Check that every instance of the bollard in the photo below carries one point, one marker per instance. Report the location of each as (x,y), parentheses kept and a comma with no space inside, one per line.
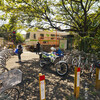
(42,86)
(97,86)
(77,82)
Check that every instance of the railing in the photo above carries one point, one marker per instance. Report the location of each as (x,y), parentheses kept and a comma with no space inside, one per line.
(49,40)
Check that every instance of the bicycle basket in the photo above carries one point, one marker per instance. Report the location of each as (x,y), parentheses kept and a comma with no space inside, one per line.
(10,79)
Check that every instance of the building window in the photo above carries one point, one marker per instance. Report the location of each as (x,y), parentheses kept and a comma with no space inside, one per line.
(58,37)
(52,35)
(27,35)
(45,42)
(34,36)
(42,36)
(52,38)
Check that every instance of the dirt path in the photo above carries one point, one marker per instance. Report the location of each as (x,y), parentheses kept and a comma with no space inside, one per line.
(13,61)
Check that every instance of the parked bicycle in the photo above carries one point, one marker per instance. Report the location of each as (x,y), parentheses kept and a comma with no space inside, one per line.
(4,55)
(8,79)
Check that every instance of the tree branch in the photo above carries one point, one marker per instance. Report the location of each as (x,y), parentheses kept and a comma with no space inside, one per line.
(90,4)
(94,18)
(73,10)
(70,14)
(81,1)
(65,24)
(86,4)
(31,6)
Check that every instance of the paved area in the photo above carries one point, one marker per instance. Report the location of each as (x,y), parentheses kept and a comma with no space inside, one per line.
(13,61)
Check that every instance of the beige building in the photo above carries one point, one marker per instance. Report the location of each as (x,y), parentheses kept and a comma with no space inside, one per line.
(44,37)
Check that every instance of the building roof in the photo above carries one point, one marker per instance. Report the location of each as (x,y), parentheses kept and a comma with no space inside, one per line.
(50,32)
(67,36)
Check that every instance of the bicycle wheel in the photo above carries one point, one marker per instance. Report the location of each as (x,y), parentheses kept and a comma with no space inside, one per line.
(61,68)
(10,94)
(42,63)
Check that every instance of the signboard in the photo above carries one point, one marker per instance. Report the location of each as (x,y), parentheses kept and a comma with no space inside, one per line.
(42,86)
(99,75)
(63,44)
(78,77)
(97,86)
(77,82)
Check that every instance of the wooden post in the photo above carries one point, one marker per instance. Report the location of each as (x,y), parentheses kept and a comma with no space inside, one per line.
(97,86)
(42,86)
(77,82)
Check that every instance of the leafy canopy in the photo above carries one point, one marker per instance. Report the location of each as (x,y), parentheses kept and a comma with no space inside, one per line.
(82,16)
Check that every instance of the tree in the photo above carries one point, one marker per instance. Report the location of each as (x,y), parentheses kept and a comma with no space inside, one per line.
(71,15)
(19,38)
(6,30)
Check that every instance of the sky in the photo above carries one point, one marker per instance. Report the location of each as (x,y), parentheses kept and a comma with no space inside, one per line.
(22,31)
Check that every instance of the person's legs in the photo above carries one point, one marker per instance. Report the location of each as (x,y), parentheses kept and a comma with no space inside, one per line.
(19,56)
(38,51)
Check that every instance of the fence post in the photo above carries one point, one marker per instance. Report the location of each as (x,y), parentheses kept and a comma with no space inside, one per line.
(42,86)
(77,82)
(97,78)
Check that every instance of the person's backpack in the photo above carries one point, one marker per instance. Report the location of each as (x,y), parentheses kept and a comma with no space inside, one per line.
(16,51)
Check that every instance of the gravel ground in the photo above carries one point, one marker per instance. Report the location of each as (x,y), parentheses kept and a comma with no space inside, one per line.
(57,87)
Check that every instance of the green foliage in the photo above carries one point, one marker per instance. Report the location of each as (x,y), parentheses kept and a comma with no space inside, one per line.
(19,38)
(74,15)
(4,31)
(80,16)
(88,44)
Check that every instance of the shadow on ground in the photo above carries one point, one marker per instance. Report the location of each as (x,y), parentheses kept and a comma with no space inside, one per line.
(57,87)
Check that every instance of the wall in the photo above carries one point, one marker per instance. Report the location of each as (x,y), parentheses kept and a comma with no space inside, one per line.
(47,38)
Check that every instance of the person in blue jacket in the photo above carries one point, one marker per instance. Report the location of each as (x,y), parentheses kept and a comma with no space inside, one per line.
(59,52)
